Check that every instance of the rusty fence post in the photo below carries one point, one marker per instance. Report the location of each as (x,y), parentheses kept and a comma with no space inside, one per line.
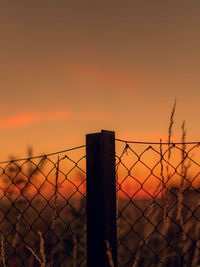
(101,199)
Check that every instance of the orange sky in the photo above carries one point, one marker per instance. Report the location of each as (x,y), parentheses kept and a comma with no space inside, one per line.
(71,68)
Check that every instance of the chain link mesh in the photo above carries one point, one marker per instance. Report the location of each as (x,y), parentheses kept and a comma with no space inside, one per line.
(158,204)
(43,207)
(43,210)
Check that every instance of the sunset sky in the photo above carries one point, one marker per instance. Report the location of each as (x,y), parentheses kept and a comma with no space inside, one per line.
(68,68)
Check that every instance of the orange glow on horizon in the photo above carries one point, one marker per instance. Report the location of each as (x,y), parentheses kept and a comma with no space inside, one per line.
(24,119)
(138,172)
(18,120)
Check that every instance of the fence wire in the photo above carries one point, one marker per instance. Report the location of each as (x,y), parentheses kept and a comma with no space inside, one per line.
(43,210)
(158,192)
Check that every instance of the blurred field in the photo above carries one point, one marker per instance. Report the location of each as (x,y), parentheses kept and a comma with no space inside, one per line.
(141,237)
(64,232)
(146,240)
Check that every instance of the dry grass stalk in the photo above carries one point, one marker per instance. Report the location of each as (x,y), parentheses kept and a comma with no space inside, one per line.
(161,169)
(42,251)
(15,239)
(109,254)
(171,123)
(166,198)
(3,251)
(55,195)
(55,213)
(151,205)
(137,257)
(163,198)
(170,128)
(183,242)
(183,176)
(117,204)
(34,254)
(183,167)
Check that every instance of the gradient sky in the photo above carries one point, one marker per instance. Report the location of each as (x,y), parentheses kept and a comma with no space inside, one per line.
(69,68)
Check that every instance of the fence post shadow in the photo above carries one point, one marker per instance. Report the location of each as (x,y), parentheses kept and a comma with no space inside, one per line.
(101,199)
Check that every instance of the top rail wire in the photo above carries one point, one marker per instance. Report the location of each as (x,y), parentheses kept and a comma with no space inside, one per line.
(158,143)
(43,155)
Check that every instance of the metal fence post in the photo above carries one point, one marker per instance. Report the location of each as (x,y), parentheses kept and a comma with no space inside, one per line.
(101,199)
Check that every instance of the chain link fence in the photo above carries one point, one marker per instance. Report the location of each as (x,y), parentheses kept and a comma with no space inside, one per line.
(43,210)
(43,205)
(158,204)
